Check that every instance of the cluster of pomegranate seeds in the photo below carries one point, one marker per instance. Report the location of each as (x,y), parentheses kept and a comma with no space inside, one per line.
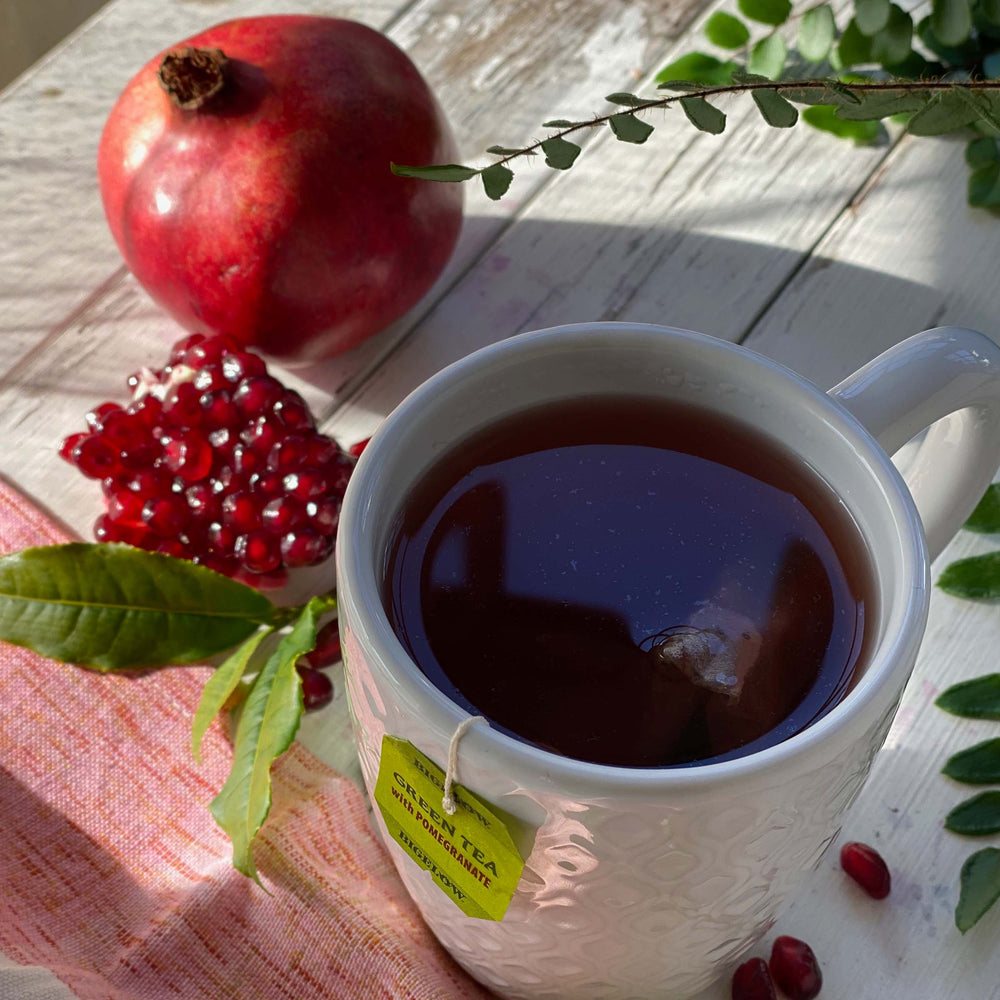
(214,460)
(317,688)
(865,865)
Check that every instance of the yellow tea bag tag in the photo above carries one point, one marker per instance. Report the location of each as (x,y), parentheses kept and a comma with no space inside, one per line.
(471,854)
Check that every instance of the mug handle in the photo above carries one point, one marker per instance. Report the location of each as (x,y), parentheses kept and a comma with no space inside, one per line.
(947,379)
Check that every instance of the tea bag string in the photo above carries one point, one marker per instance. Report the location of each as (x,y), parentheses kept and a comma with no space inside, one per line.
(447,802)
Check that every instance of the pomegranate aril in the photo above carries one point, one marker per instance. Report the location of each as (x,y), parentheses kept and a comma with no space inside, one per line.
(173,547)
(258,551)
(182,406)
(124,506)
(226,565)
(293,412)
(289,454)
(208,378)
(242,512)
(262,435)
(219,410)
(262,581)
(321,451)
(95,417)
(181,348)
(208,351)
(338,474)
(271,484)
(167,515)
(357,448)
(323,515)
(189,457)
(865,865)
(95,459)
(305,548)
(106,530)
(752,981)
(148,411)
(241,365)
(140,455)
(245,461)
(202,501)
(794,969)
(282,515)
(317,688)
(221,538)
(255,396)
(69,443)
(306,485)
(327,649)
(150,482)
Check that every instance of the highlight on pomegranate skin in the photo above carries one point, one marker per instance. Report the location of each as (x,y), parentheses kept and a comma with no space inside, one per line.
(866,866)
(214,460)
(794,969)
(752,981)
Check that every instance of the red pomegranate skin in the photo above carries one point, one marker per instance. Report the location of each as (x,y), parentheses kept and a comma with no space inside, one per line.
(270,214)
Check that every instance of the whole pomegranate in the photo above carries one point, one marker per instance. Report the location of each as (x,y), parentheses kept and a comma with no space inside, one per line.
(245,176)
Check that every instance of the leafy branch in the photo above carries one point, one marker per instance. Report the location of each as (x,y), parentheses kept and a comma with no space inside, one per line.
(115,608)
(850,80)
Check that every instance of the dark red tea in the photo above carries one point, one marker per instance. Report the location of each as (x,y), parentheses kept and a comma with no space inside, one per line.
(631,582)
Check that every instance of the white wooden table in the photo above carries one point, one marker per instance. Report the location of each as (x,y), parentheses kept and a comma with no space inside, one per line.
(794,243)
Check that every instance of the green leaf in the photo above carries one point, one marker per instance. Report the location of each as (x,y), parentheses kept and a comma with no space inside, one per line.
(976,817)
(975,699)
(682,86)
(628,128)
(830,92)
(775,110)
(982,104)
(986,517)
(892,44)
(726,31)
(951,20)
(626,99)
(817,31)
(267,726)
(871,15)
(559,153)
(114,607)
(984,191)
(766,11)
(767,57)
(442,172)
(981,153)
(560,123)
(504,151)
(977,577)
(220,687)
(843,91)
(825,118)
(965,53)
(697,67)
(496,180)
(854,47)
(978,765)
(703,115)
(979,887)
(990,10)
(991,65)
(883,104)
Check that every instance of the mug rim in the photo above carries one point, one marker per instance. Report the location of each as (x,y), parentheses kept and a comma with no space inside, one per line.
(360,587)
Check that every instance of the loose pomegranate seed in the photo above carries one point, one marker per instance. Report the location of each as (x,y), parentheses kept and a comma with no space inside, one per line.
(357,448)
(66,451)
(259,551)
(255,396)
(188,457)
(794,968)
(206,446)
(752,981)
(327,649)
(166,515)
(865,865)
(95,459)
(305,548)
(317,688)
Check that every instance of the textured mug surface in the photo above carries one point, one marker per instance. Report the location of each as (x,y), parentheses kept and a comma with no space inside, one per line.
(650,882)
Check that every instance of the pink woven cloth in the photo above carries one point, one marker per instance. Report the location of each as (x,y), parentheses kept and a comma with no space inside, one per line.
(114,876)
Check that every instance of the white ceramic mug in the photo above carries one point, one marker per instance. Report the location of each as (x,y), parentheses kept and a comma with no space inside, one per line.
(649,883)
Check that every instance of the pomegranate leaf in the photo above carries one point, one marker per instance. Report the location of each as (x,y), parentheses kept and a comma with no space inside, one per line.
(496,181)
(978,765)
(980,887)
(220,687)
(977,816)
(628,128)
(976,577)
(267,726)
(986,517)
(559,153)
(114,607)
(703,115)
(975,699)
(439,172)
